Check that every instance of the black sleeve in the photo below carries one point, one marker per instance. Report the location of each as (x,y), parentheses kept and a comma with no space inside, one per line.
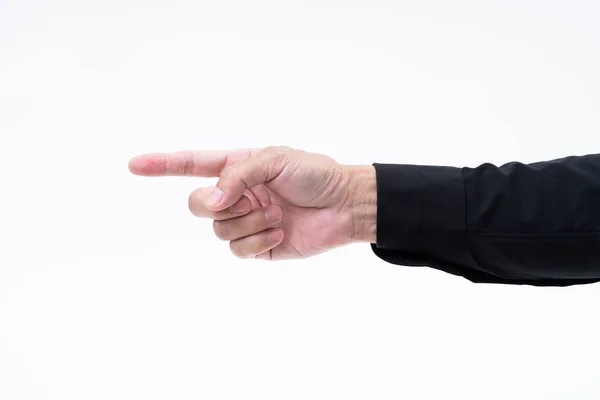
(535,224)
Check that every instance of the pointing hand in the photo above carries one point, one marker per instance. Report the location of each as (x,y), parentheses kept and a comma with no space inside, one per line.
(275,203)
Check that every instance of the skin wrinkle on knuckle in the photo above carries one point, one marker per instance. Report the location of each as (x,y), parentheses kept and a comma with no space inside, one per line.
(188,165)
(170,165)
(225,162)
(276,154)
(274,161)
(246,187)
(328,178)
(178,163)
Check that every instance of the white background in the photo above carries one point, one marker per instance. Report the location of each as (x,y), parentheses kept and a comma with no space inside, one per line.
(111,289)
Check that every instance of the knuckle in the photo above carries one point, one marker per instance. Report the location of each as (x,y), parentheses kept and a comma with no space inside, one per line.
(221,230)
(236,250)
(228,172)
(257,245)
(192,201)
(271,149)
(277,149)
(285,149)
(275,155)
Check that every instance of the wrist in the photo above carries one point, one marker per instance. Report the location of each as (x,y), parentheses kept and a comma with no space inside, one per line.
(363,203)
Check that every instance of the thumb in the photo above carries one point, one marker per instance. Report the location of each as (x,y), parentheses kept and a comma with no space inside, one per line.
(245,174)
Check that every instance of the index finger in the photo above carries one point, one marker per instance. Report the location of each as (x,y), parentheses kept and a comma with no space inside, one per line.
(201,163)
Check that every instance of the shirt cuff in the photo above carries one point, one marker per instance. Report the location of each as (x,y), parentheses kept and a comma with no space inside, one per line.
(420,215)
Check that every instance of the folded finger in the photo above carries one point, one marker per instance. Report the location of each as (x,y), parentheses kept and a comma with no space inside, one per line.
(256,221)
(197,200)
(251,246)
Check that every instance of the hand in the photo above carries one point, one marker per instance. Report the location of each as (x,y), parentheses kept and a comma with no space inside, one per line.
(275,203)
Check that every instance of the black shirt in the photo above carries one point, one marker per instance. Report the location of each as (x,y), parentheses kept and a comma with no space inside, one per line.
(535,224)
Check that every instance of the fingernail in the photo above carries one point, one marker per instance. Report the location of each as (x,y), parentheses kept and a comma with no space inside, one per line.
(276,236)
(241,206)
(273,213)
(215,197)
